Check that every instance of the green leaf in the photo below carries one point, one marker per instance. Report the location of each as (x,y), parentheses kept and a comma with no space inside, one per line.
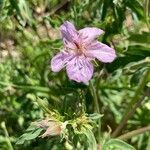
(148,84)
(134,66)
(137,76)
(115,144)
(140,38)
(31,128)
(43,103)
(92,145)
(1,4)
(136,7)
(29,136)
(138,50)
(24,10)
(95,116)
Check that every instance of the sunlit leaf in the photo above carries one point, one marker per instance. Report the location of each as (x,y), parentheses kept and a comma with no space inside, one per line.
(115,144)
(29,136)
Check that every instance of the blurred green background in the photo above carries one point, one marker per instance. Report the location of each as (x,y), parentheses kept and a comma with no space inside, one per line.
(30,37)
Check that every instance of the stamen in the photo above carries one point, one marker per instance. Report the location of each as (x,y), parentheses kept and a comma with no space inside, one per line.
(77,45)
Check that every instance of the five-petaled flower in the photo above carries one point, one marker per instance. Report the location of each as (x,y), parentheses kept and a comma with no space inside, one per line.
(80,48)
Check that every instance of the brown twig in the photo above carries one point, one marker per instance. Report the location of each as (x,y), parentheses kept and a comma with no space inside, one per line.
(130,113)
(134,133)
(57,7)
(134,104)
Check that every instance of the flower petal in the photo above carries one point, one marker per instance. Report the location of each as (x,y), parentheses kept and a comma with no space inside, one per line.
(54,129)
(69,34)
(101,51)
(80,69)
(89,34)
(60,60)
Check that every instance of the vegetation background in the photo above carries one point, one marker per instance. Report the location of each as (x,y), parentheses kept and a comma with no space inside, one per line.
(30,37)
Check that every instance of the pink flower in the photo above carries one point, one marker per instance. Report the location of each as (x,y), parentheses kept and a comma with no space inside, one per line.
(80,48)
(51,127)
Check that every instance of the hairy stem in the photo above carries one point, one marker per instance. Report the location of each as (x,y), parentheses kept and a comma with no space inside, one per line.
(133,105)
(96,105)
(134,133)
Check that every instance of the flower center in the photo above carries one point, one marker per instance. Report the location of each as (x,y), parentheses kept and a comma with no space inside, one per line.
(80,49)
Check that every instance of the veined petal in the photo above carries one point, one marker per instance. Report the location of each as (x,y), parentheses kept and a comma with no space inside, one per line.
(69,34)
(80,69)
(60,60)
(101,51)
(88,34)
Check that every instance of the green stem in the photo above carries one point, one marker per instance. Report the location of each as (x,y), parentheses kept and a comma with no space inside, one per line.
(133,104)
(82,98)
(47,90)
(3,125)
(26,87)
(96,103)
(134,133)
(93,91)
